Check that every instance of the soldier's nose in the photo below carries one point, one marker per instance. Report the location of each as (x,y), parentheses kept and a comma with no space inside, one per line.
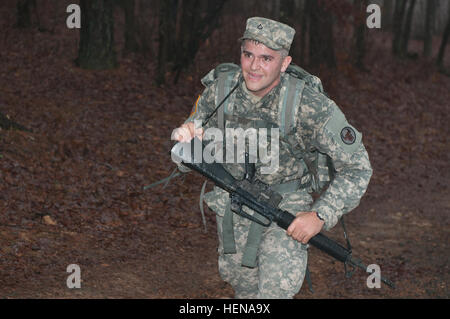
(254,65)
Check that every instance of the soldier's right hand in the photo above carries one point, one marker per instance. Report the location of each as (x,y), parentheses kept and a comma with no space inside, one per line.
(186,132)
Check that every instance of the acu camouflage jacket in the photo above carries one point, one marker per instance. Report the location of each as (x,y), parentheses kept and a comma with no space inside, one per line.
(319,128)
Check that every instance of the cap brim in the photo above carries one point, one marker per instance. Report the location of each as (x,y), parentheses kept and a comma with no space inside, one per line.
(268,43)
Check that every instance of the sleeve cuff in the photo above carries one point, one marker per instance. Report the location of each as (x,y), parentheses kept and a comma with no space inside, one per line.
(326,213)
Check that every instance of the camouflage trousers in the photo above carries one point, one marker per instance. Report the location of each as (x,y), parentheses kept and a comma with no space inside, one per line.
(281,260)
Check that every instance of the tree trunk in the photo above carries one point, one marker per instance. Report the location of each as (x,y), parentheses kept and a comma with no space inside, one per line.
(24,13)
(399,13)
(387,14)
(360,33)
(440,58)
(428,34)
(131,44)
(96,50)
(275,12)
(407,28)
(321,46)
(184,25)
(288,12)
(201,27)
(167,30)
(146,24)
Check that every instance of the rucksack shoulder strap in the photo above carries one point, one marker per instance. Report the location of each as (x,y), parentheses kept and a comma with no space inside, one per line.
(289,103)
(298,78)
(226,75)
(290,107)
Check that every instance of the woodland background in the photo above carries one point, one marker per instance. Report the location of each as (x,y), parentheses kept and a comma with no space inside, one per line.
(85,123)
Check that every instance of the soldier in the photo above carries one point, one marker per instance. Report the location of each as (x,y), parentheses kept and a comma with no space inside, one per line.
(315,138)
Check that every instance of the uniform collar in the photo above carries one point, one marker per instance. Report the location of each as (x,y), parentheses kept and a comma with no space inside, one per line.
(249,95)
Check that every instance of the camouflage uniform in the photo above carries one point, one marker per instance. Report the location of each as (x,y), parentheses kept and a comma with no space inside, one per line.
(320,125)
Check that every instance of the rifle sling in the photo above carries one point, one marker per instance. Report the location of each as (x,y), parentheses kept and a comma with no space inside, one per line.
(249,258)
(229,245)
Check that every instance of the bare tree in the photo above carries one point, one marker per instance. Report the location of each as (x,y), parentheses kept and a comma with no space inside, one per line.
(440,57)
(24,11)
(167,24)
(403,16)
(428,34)
(321,45)
(360,33)
(184,25)
(96,50)
(387,12)
(399,13)
(406,32)
(131,43)
(276,7)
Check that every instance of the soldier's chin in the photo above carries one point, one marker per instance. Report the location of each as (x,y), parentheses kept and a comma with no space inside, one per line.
(253,87)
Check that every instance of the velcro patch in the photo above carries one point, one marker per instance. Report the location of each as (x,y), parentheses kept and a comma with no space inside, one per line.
(348,135)
(343,133)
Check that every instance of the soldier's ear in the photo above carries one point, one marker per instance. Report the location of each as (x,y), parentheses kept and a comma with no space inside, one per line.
(286,61)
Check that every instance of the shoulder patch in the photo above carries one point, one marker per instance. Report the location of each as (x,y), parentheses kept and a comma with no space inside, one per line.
(348,135)
(343,133)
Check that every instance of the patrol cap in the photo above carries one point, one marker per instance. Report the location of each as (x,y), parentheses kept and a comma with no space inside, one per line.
(273,34)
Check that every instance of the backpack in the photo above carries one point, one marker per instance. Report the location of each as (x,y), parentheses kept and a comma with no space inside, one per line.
(319,165)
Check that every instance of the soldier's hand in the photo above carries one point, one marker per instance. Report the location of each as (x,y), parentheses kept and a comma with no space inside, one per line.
(186,132)
(305,226)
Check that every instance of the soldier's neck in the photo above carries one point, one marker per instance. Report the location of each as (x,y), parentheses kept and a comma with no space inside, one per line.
(252,97)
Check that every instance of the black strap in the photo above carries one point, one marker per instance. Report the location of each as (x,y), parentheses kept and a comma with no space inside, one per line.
(220,104)
(345,235)
(308,279)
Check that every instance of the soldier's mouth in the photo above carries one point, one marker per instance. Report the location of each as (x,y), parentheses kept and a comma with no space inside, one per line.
(254,76)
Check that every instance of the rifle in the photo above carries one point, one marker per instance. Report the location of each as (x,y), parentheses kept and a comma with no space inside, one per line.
(260,198)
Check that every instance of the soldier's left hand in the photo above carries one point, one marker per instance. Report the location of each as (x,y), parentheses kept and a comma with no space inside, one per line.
(305,226)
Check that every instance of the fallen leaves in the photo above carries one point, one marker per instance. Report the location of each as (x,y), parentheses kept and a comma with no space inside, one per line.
(49,221)
(71,191)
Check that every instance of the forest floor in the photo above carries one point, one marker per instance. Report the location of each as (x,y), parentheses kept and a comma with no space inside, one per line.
(71,191)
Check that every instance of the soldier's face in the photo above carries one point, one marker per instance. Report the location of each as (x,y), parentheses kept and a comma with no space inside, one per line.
(261,67)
